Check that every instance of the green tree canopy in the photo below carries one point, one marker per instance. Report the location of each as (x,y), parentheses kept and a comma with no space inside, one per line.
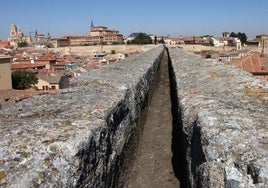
(141,38)
(161,41)
(22,79)
(22,44)
(155,39)
(242,36)
(233,34)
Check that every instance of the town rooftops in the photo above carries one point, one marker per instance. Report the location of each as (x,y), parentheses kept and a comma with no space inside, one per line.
(52,79)
(261,35)
(60,63)
(252,63)
(4,43)
(28,65)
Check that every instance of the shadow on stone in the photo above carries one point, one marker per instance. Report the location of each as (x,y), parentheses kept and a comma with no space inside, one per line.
(179,145)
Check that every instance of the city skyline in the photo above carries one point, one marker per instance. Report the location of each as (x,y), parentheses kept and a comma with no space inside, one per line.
(172,17)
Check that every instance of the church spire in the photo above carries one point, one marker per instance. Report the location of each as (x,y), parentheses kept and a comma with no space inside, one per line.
(92,24)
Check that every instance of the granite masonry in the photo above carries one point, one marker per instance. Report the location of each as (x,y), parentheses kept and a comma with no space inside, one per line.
(223,118)
(74,138)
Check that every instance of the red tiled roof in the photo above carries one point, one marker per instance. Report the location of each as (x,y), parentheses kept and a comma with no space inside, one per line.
(4,43)
(38,59)
(60,63)
(25,66)
(19,58)
(49,56)
(254,63)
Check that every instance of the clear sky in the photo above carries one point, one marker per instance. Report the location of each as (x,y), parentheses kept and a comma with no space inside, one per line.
(173,17)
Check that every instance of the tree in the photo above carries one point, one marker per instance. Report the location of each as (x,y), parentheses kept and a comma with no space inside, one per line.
(242,36)
(22,79)
(141,38)
(211,43)
(22,44)
(233,34)
(130,42)
(155,39)
(161,41)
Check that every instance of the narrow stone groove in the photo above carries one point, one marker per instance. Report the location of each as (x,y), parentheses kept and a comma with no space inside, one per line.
(179,143)
(152,164)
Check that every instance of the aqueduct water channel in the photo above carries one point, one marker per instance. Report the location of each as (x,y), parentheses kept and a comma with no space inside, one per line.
(150,159)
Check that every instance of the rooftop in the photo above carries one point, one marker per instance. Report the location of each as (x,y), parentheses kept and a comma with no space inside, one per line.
(52,79)
(253,63)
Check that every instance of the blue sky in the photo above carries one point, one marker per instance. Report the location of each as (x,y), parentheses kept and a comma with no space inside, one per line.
(173,17)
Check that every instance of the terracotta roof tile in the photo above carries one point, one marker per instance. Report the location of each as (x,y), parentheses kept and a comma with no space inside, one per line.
(254,63)
(25,66)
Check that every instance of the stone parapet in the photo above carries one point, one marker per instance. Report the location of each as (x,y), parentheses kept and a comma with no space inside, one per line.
(74,138)
(224,119)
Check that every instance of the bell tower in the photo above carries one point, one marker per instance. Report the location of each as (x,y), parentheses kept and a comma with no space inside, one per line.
(13,30)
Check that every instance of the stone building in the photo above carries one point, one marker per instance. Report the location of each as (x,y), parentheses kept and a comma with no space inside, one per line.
(60,42)
(225,34)
(260,43)
(52,82)
(41,39)
(5,72)
(263,43)
(96,35)
(78,40)
(16,35)
(101,34)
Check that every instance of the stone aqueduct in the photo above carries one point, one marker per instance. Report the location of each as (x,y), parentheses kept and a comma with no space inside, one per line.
(75,138)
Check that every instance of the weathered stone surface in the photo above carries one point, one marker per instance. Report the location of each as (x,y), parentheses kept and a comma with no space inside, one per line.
(74,137)
(224,115)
